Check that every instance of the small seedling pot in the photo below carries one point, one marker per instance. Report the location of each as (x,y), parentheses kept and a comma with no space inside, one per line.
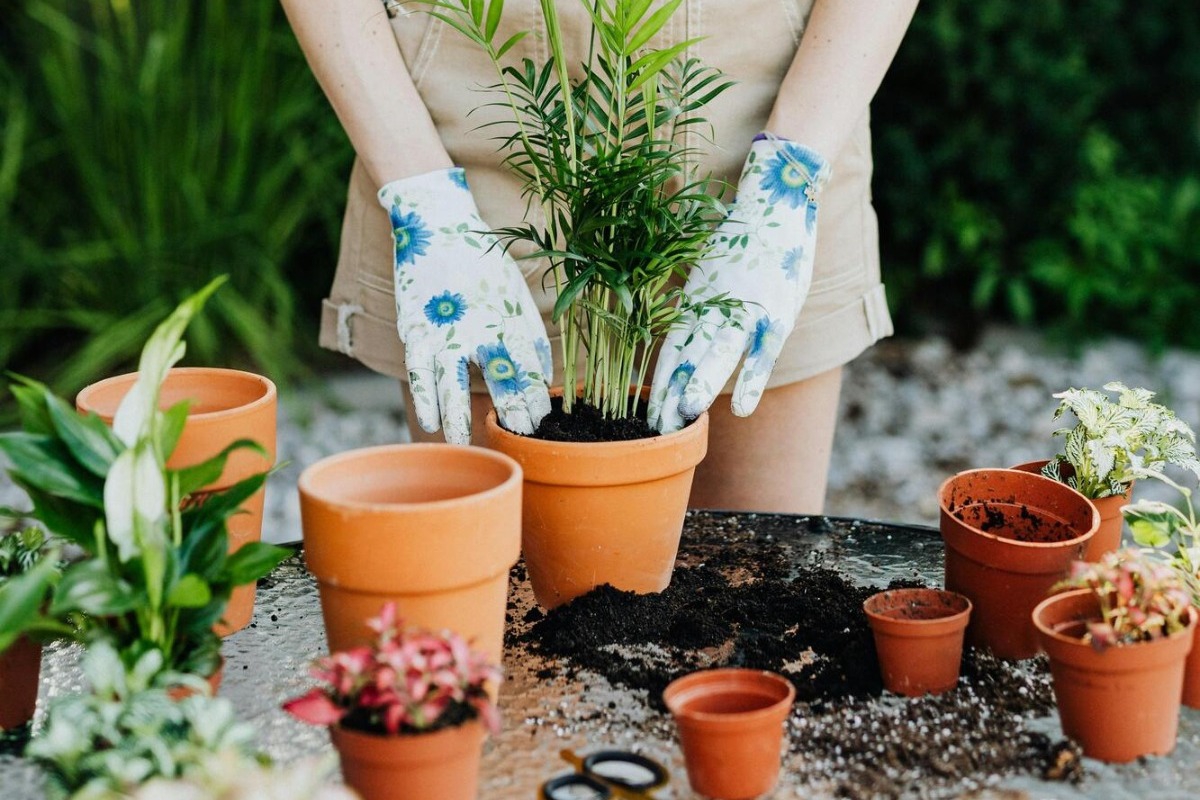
(443,765)
(1108,535)
(1123,702)
(434,528)
(918,638)
(731,725)
(1010,536)
(226,405)
(20,670)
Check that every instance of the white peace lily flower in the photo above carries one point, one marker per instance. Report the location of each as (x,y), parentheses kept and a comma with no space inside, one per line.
(135,498)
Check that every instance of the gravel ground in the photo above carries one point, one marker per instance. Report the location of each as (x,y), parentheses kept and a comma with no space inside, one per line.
(913,412)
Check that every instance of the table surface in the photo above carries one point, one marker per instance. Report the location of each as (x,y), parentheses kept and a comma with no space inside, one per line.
(267,662)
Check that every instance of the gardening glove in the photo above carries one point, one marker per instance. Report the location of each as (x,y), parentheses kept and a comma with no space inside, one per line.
(761,255)
(460,299)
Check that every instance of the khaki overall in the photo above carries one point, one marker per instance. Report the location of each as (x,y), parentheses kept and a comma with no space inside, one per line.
(752,41)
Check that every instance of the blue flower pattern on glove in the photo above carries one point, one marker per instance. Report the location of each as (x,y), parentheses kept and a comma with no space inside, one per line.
(445,308)
(765,331)
(501,373)
(791,263)
(788,174)
(411,235)
(462,375)
(459,178)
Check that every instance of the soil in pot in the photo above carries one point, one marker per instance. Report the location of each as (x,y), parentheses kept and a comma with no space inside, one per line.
(1015,521)
(746,603)
(586,424)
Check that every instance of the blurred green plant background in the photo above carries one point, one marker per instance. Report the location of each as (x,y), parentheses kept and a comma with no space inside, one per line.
(1036,163)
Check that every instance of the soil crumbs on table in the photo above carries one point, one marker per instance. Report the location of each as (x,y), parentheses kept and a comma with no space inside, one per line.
(748,606)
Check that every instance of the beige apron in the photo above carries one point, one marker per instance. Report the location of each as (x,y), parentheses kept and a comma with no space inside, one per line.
(753,42)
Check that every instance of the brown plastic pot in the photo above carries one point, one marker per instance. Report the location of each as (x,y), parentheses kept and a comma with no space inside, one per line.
(731,729)
(918,638)
(433,527)
(1010,536)
(20,669)
(1191,679)
(442,765)
(226,405)
(602,512)
(1108,535)
(1118,704)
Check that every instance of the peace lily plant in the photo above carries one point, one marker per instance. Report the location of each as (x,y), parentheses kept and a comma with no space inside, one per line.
(155,574)
(625,215)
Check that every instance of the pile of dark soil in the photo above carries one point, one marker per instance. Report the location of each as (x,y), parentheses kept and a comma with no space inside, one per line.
(747,605)
(586,424)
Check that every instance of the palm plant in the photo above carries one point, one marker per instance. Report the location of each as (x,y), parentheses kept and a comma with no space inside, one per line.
(625,212)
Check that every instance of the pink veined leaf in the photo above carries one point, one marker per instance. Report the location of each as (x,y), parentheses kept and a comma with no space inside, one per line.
(1103,635)
(393,717)
(488,713)
(315,708)
(385,623)
(1125,586)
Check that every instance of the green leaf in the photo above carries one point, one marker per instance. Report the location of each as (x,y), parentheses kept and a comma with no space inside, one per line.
(190,592)
(216,508)
(510,43)
(44,462)
(200,475)
(31,406)
(204,550)
(75,522)
(90,587)
(494,11)
(171,427)
(651,27)
(87,437)
(22,596)
(253,561)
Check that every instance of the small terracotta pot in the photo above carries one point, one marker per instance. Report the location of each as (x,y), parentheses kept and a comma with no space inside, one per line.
(602,512)
(731,729)
(918,638)
(442,765)
(1108,535)
(226,405)
(20,669)
(1191,679)
(214,683)
(1118,704)
(433,527)
(1010,536)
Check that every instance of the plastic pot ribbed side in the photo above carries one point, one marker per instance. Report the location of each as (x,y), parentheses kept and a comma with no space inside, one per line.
(443,765)
(918,638)
(1108,535)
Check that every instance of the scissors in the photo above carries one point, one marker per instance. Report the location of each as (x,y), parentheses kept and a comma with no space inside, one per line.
(606,775)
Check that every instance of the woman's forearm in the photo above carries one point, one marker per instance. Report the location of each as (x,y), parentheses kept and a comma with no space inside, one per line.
(847,47)
(351,49)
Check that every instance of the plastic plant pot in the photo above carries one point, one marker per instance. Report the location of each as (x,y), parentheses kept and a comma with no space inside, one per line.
(918,638)
(1108,535)
(443,765)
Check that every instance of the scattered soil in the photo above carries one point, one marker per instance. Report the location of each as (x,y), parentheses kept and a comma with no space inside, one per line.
(748,604)
(585,424)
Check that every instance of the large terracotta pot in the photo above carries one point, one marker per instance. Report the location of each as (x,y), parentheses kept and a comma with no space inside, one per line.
(731,729)
(1108,535)
(1010,536)
(918,638)
(443,765)
(433,527)
(226,405)
(602,512)
(20,668)
(1118,704)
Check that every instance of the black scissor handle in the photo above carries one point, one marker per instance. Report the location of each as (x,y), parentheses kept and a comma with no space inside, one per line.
(554,789)
(594,764)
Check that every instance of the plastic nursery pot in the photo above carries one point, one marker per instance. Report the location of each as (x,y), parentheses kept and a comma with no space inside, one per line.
(1191,679)
(602,512)
(1118,704)
(442,765)
(226,405)
(1108,535)
(1010,536)
(731,729)
(20,669)
(433,527)
(918,638)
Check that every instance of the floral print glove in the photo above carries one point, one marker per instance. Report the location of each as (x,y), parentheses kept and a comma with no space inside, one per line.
(461,300)
(762,255)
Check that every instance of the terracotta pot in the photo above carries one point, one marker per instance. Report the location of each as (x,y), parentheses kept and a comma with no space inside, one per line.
(214,683)
(226,405)
(442,765)
(1119,704)
(918,638)
(20,668)
(731,729)
(1108,535)
(602,512)
(433,527)
(1009,537)
(1191,679)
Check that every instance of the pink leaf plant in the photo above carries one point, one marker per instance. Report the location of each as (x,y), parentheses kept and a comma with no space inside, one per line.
(410,681)
(1141,598)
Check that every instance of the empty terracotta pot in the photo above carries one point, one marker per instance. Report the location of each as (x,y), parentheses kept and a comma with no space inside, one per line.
(20,669)
(602,512)
(1010,536)
(226,405)
(918,638)
(1108,535)
(433,527)
(1118,704)
(731,729)
(442,765)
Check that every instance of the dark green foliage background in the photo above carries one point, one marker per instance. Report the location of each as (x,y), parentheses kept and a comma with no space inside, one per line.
(1037,162)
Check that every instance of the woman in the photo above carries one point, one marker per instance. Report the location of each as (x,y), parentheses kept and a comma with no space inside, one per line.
(402,83)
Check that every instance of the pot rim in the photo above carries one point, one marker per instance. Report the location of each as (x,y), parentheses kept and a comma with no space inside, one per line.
(1014,542)
(951,616)
(269,396)
(1036,465)
(763,678)
(1065,597)
(662,441)
(309,476)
